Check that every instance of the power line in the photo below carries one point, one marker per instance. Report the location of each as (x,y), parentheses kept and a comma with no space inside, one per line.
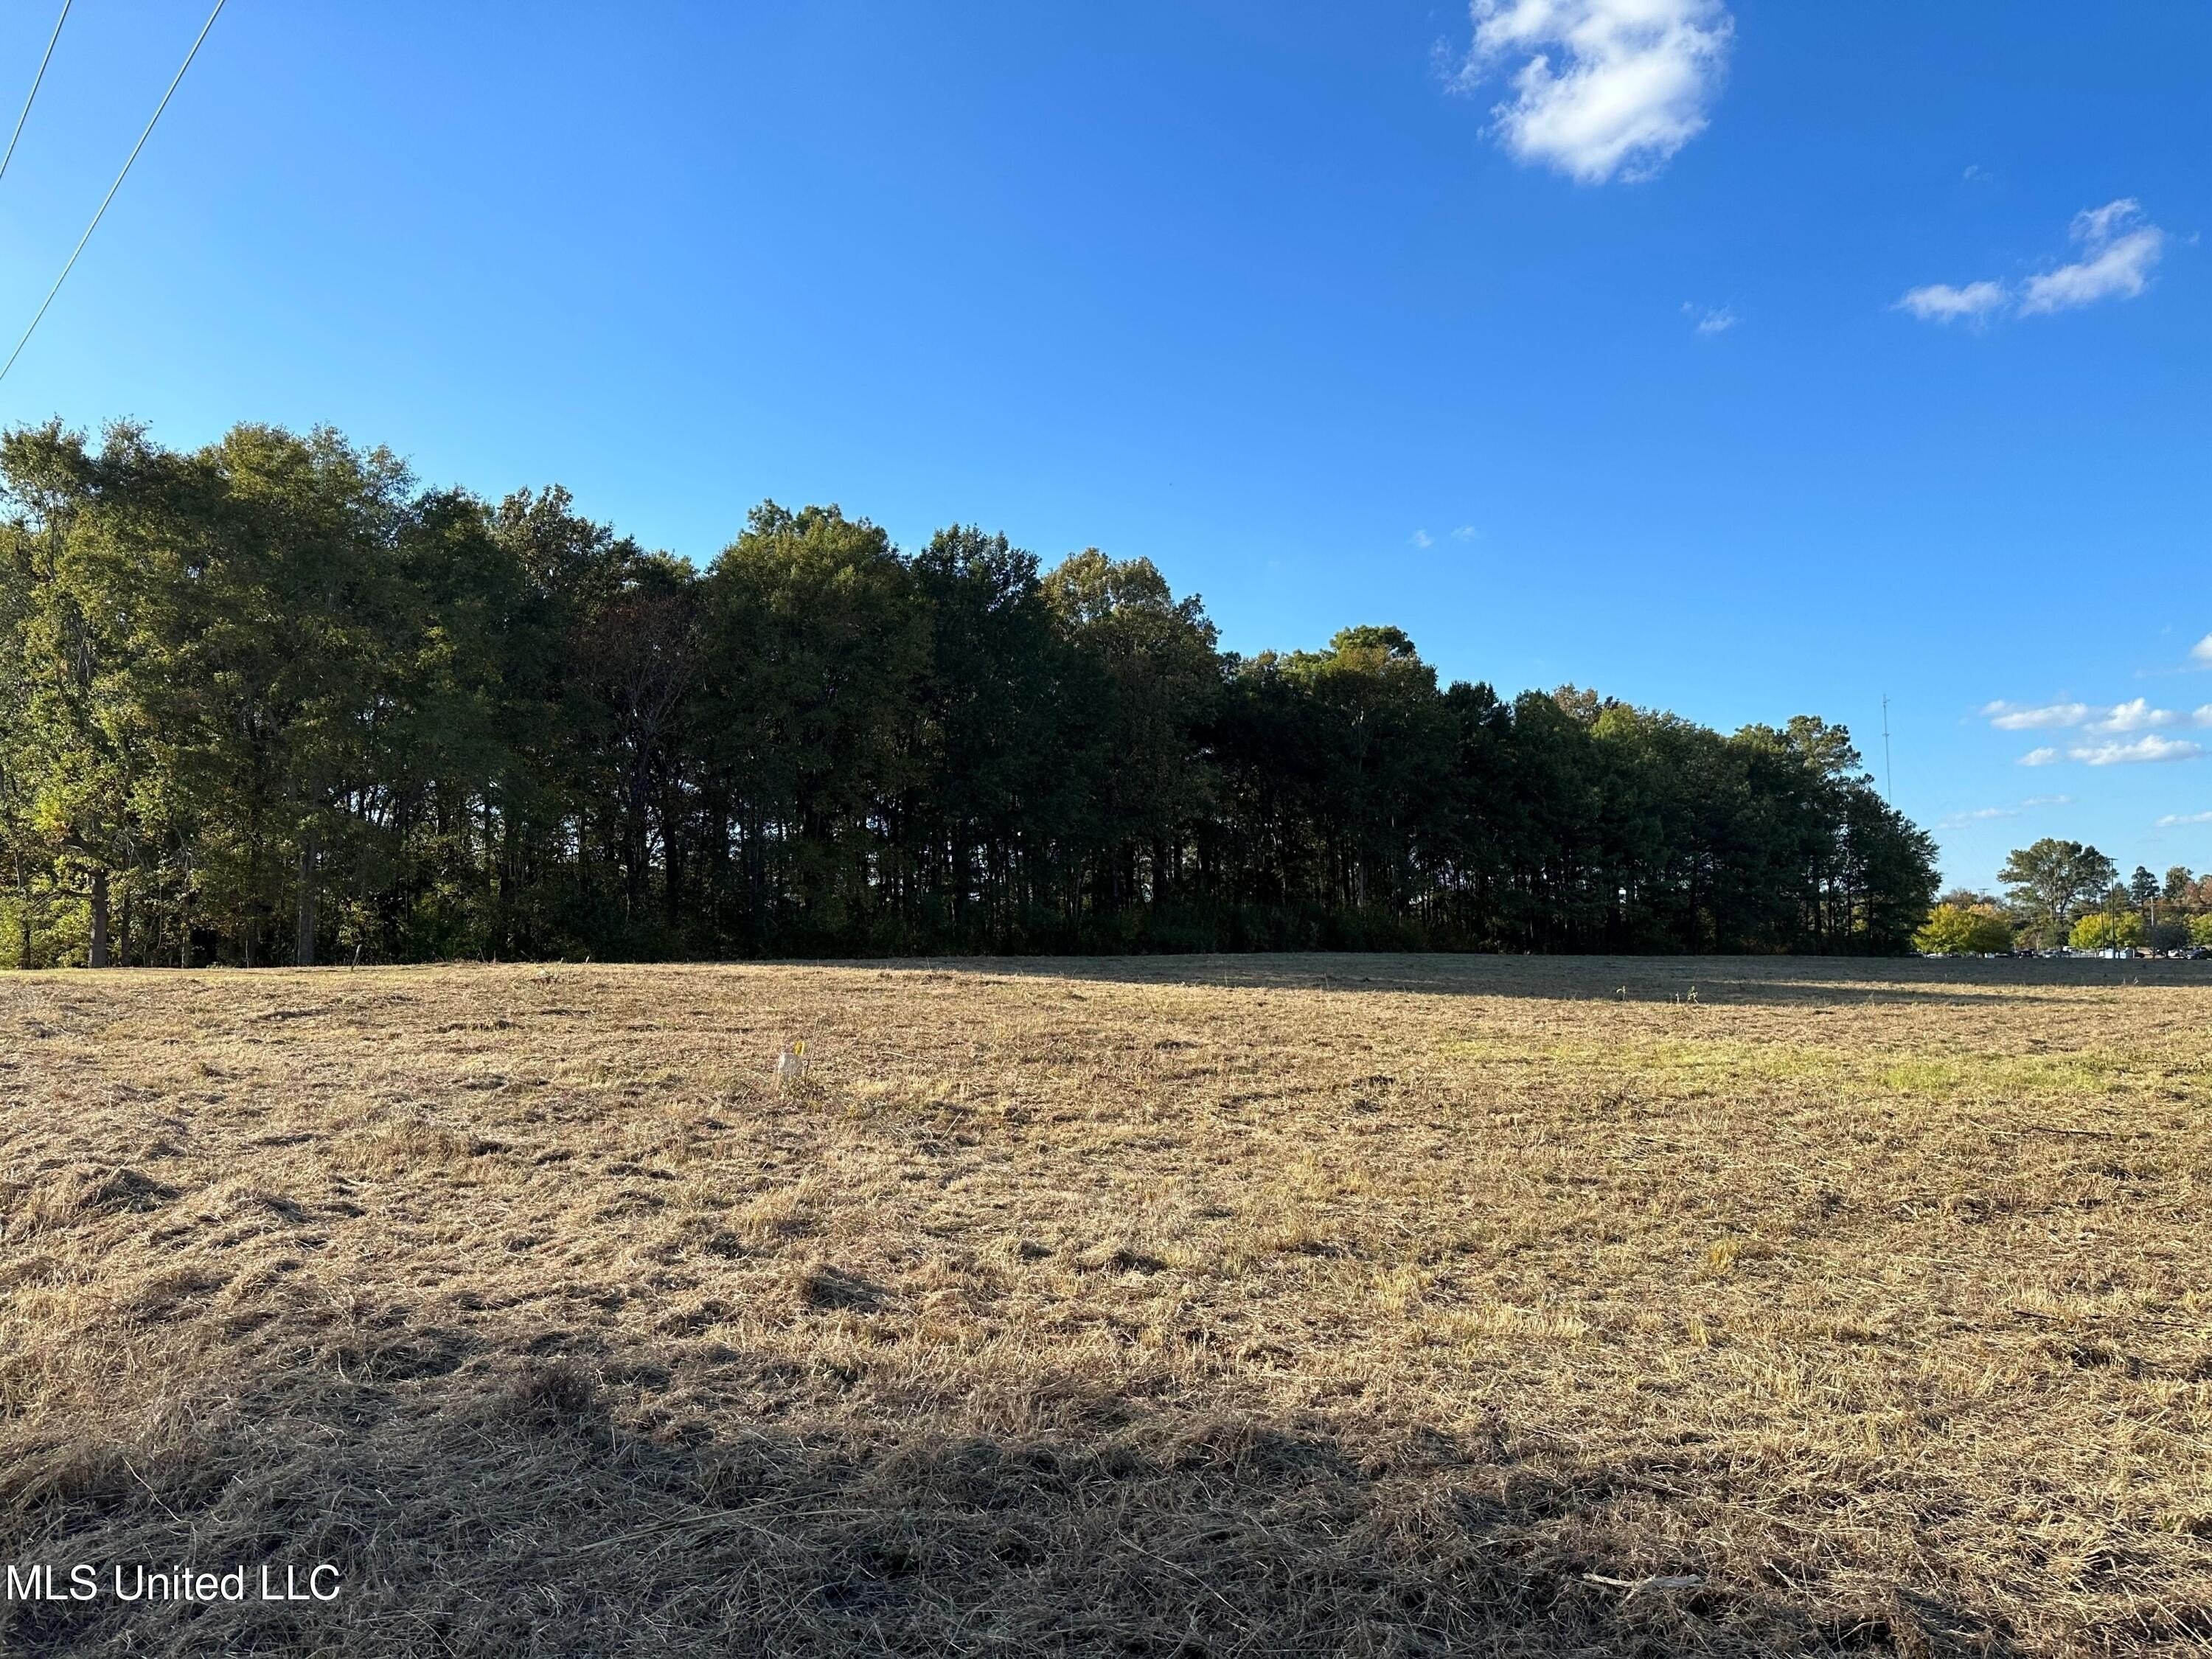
(36,81)
(112,189)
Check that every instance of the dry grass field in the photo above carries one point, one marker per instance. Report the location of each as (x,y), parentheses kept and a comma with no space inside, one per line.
(1279,1305)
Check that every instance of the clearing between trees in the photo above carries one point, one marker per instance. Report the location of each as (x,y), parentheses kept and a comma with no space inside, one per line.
(1221,1306)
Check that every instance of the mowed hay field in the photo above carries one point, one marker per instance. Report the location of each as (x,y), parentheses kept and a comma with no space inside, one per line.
(1274,1305)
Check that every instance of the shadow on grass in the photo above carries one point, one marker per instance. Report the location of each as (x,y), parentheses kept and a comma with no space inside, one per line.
(1804,980)
(495,1504)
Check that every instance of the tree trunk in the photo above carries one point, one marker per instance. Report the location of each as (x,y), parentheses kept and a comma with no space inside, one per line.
(22,916)
(509,854)
(633,856)
(99,919)
(307,850)
(122,933)
(672,862)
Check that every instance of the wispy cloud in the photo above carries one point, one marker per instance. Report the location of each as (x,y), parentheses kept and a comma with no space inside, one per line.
(1601,88)
(2119,247)
(2020,717)
(2039,758)
(2150,747)
(1466,532)
(2139,714)
(1985,814)
(1939,302)
(2173,818)
(1711,319)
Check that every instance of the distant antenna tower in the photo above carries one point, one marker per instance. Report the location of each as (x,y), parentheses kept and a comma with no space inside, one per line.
(1888,773)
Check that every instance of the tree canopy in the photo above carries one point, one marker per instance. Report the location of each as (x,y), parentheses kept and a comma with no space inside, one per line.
(2051,880)
(1957,930)
(2105,930)
(274,700)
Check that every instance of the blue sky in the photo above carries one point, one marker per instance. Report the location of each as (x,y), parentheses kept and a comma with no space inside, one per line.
(1742,359)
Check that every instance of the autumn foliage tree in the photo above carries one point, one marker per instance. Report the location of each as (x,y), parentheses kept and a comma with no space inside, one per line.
(1955,929)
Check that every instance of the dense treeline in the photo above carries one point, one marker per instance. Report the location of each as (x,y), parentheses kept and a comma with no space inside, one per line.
(272,701)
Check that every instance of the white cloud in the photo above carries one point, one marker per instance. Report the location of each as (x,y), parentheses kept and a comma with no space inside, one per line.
(2149,747)
(2097,227)
(2121,249)
(1719,321)
(2203,651)
(2129,731)
(1422,538)
(1939,302)
(1603,88)
(1467,533)
(2172,819)
(2016,717)
(2136,716)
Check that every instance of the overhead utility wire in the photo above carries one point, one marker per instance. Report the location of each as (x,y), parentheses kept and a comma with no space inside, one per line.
(36,81)
(112,189)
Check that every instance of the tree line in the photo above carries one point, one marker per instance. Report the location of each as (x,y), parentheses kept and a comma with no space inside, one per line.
(272,701)
(2067,893)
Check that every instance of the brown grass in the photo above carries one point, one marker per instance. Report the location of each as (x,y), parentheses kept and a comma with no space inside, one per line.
(1266,1306)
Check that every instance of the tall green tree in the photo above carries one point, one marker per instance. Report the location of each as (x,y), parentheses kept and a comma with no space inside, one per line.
(2142,889)
(81,766)
(996,810)
(1145,689)
(819,647)
(2050,880)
